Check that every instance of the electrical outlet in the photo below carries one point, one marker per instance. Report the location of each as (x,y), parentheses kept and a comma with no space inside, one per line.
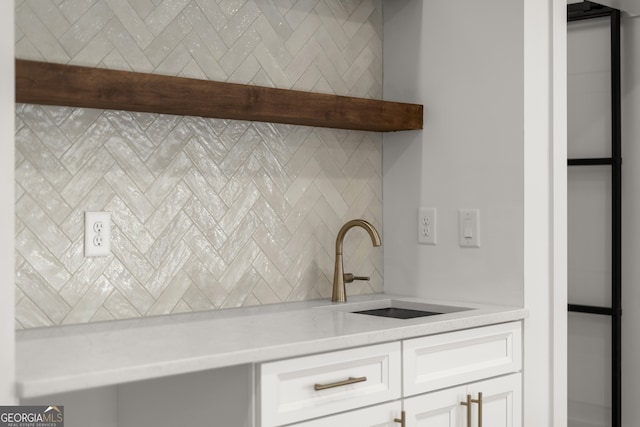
(427,226)
(97,234)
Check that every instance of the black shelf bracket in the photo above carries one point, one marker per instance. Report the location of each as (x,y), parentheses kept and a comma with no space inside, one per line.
(594,161)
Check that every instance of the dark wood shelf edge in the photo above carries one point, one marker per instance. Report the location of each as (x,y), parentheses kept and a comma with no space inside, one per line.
(75,86)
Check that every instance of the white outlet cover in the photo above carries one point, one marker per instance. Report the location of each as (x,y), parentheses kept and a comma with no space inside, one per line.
(91,236)
(427,226)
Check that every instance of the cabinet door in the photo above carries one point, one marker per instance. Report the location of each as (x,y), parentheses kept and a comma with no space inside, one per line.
(501,405)
(436,409)
(375,416)
(501,401)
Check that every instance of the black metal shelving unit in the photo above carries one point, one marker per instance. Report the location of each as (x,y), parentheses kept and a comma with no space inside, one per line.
(577,12)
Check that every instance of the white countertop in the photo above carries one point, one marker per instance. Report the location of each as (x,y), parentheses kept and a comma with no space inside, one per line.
(77,357)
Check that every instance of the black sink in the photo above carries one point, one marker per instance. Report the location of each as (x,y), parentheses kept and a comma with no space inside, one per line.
(397,313)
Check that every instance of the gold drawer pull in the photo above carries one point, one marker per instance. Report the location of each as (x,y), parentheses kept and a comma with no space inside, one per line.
(479,402)
(402,420)
(351,380)
(468,405)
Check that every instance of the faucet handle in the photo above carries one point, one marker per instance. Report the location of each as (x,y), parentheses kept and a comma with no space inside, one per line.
(348,278)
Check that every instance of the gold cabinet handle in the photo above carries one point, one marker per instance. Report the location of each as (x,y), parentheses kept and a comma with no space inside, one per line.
(479,402)
(468,405)
(351,380)
(402,420)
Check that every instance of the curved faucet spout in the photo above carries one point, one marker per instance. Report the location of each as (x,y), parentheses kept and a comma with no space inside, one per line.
(373,233)
(339,277)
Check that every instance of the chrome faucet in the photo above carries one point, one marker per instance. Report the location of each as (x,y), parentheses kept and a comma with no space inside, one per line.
(339,276)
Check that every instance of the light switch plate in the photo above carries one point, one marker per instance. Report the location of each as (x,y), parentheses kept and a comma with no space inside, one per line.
(469,231)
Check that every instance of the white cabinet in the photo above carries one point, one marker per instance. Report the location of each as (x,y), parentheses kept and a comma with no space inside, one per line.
(492,403)
(382,415)
(501,401)
(438,361)
(467,378)
(455,360)
(307,387)
(436,409)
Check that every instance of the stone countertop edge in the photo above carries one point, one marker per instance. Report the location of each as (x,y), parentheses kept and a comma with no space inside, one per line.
(77,357)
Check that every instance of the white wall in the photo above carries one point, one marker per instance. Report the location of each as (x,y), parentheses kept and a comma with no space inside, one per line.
(630,227)
(464,62)
(545,365)
(631,7)
(493,81)
(538,173)
(7,291)
(589,218)
(220,397)
(589,203)
(96,407)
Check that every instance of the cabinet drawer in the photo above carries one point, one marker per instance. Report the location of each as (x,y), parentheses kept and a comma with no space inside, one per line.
(439,361)
(313,386)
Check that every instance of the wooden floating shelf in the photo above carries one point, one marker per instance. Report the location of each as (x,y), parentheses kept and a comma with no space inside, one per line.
(75,86)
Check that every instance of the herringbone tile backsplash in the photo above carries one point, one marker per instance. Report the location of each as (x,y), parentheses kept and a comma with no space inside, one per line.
(206,213)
